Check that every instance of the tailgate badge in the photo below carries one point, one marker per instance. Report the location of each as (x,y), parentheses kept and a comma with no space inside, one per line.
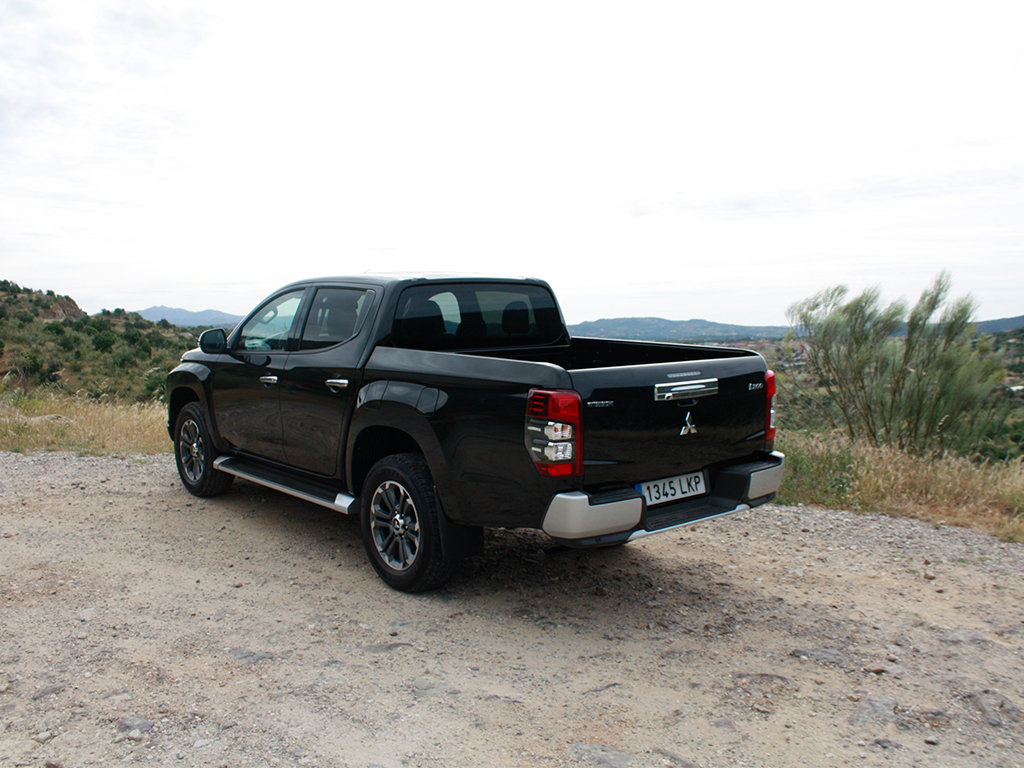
(688,428)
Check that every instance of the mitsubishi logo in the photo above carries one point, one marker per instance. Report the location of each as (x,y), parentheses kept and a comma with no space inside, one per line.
(688,429)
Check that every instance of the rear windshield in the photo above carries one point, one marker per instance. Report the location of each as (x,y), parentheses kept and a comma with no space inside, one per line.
(476,316)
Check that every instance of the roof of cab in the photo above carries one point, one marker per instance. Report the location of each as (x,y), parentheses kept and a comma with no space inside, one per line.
(386,279)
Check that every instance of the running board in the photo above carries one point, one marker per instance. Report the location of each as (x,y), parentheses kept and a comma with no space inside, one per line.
(307,490)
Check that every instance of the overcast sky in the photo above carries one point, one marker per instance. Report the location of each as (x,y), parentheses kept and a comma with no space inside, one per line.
(678,159)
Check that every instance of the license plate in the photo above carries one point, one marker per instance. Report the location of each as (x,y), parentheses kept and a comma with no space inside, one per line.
(673,488)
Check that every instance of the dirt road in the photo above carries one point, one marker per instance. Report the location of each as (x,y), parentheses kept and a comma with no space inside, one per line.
(141,625)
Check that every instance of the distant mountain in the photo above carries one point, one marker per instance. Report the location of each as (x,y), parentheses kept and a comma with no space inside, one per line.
(208,318)
(996,326)
(640,328)
(658,329)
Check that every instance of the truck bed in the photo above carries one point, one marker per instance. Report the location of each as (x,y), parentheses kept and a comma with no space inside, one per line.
(585,352)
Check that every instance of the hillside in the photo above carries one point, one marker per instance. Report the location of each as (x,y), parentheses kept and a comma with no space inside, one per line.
(46,339)
(658,329)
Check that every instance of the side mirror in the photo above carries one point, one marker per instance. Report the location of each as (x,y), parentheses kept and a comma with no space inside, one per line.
(213,341)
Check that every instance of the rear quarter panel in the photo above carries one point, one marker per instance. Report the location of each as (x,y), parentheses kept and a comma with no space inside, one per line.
(483,473)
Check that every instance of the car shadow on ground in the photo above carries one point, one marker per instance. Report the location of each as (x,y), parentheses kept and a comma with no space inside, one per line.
(519,573)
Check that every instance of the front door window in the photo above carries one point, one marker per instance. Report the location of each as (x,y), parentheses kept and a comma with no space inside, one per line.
(267,330)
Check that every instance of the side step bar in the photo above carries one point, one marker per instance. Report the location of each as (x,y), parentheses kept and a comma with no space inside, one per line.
(307,490)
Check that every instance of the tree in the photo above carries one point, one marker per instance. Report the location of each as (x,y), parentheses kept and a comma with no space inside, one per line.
(70,341)
(104,340)
(902,380)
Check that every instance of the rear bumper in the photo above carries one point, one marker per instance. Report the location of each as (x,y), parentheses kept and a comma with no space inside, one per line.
(579,519)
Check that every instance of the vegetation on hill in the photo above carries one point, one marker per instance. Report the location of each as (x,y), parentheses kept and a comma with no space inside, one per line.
(46,339)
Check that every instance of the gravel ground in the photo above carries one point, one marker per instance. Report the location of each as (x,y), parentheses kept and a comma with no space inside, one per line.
(142,625)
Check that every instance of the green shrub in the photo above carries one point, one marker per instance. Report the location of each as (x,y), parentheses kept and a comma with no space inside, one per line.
(69,341)
(104,340)
(902,380)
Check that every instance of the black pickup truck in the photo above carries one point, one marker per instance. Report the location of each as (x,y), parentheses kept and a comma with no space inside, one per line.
(437,406)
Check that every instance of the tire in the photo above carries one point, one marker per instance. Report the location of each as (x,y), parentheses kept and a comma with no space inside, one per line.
(400,524)
(194,454)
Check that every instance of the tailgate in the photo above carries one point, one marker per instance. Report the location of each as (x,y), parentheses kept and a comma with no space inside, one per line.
(647,422)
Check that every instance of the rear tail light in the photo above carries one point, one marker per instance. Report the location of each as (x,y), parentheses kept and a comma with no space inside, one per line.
(553,435)
(769,416)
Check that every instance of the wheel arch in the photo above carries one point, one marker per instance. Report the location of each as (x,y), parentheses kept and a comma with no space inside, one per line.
(390,430)
(177,399)
(184,386)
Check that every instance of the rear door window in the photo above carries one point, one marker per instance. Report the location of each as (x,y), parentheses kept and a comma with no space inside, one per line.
(334,317)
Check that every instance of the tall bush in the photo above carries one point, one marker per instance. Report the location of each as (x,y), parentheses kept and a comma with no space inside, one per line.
(104,340)
(899,379)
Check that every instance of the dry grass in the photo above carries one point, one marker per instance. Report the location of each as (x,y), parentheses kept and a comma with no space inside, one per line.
(949,490)
(52,422)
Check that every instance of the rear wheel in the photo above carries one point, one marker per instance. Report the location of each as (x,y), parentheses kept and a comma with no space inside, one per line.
(194,454)
(400,524)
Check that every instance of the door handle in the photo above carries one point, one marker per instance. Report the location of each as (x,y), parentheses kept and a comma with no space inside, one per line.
(268,380)
(336,385)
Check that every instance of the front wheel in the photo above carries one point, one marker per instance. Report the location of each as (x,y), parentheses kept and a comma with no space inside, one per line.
(194,454)
(400,524)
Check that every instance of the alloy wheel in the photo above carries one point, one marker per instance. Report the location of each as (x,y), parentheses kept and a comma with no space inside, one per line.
(191,450)
(395,525)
